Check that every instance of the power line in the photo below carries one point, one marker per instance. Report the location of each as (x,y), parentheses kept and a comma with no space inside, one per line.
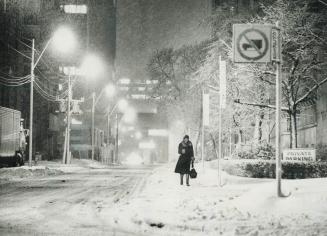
(50,81)
(18,82)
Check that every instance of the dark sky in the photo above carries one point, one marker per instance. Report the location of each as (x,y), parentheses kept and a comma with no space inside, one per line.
(144,26)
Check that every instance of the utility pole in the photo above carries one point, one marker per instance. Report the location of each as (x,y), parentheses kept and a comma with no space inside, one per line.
(92,134)
(69,119)
(30,152)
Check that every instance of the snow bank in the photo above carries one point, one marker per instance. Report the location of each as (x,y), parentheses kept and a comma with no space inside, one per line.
(25,172)
(244,206)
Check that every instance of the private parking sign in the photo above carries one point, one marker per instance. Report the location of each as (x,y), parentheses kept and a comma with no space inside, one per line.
(251,43)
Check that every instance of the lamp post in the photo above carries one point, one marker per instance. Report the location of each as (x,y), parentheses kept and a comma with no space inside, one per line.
(64,40)
(110,91)
(92,66)
(122,105)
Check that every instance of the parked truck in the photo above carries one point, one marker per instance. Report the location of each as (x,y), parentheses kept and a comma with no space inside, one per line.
(12,138)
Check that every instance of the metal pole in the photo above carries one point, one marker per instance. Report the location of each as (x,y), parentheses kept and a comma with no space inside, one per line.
(31,107)
(110,156)
(116,143)
(230,142)
(92,134)
(202,131)
(278,112)
(68,118)
(220,128)
(109,129)
(65,148)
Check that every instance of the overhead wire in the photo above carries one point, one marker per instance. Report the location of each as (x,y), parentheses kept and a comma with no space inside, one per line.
(9,82)
(43,60)
(14,85)
(41,75)
(48,90)
(48,96)
(14,77)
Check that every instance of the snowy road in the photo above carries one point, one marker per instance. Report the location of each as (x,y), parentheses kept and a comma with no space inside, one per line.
(92,199)
(69,204)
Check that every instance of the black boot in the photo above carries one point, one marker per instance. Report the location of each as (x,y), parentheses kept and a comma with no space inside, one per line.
(181,179)
(187,180)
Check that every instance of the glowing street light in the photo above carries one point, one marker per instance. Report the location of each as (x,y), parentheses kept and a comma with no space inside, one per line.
(92,66)
(129,115)
(110,90)
(64,40)
(138,135)
(122,105)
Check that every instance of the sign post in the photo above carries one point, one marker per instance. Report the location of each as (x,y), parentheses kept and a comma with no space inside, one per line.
(252,43)
(278,114)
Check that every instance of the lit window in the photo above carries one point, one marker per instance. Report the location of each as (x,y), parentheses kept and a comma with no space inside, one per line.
(74,9)
(70,70)
(141,88)
(152,82)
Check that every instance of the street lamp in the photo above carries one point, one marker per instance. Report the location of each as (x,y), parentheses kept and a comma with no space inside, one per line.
(92,66)
(64,40)
(129,115)
(122,105)
(110,92)
(63,33)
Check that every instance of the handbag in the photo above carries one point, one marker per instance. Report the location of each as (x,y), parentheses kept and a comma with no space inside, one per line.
(193,173)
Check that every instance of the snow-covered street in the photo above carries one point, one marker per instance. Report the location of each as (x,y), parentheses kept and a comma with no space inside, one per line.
(92,199)
(68,204)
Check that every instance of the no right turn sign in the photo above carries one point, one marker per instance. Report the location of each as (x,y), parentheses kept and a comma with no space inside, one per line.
(251,43)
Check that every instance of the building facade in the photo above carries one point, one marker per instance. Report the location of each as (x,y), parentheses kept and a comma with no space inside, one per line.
(93,24)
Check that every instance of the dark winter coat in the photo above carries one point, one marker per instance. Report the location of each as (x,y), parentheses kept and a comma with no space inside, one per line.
(184,161)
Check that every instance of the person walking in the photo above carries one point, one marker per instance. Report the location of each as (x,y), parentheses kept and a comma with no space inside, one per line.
(185,149)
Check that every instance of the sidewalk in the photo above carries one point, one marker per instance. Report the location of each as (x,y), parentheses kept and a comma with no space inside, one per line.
(244,206)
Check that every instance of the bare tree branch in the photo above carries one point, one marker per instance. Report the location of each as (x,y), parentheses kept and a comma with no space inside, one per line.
(260,105)
(313,89)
